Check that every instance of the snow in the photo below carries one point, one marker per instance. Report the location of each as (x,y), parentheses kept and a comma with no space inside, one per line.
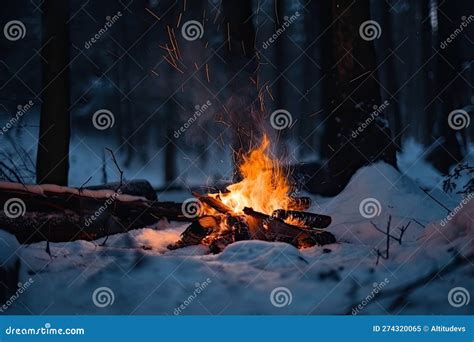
(41,189)
(256,277)
(8,249)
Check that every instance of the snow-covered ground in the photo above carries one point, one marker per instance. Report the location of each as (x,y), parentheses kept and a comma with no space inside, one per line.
(136,274)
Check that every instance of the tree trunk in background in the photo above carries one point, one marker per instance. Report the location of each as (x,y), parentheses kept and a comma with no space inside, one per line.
(239,35)
(281,53)
(354,92)
(387,72)
(52,165)
(447,95)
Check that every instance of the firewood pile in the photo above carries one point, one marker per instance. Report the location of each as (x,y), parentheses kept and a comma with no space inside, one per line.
(58,214)
(218,225)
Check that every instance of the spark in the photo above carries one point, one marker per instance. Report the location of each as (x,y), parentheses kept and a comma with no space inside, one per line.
(153,14)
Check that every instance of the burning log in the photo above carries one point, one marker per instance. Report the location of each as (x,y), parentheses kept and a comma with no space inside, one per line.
(278,230)
(214,203)
(196,232)
(306,219)
(299,203)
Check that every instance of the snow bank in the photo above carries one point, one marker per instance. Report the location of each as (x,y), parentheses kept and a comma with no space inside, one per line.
(455,230)
(9,247)
(141,276)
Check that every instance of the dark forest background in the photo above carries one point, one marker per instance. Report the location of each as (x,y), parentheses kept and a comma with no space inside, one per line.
(319,70)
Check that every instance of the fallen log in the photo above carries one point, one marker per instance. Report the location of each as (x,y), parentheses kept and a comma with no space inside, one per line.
(138,187)
(60,214)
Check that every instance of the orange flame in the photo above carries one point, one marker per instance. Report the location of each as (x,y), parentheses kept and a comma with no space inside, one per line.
(264,187)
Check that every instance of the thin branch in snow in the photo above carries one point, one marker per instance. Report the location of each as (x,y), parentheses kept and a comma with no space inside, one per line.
(387,248)
(118,168)
(434,199)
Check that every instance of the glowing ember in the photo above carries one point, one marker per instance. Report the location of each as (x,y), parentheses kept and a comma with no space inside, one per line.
(264,187)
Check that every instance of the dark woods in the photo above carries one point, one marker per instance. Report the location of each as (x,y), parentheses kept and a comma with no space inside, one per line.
(355,80)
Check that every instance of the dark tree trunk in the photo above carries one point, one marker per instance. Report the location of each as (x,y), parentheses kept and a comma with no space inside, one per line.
(388,74)
(281,53)
(447,87)
(52,164)
(354,93)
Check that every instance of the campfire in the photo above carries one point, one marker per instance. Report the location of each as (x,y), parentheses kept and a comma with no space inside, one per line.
(259,207)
